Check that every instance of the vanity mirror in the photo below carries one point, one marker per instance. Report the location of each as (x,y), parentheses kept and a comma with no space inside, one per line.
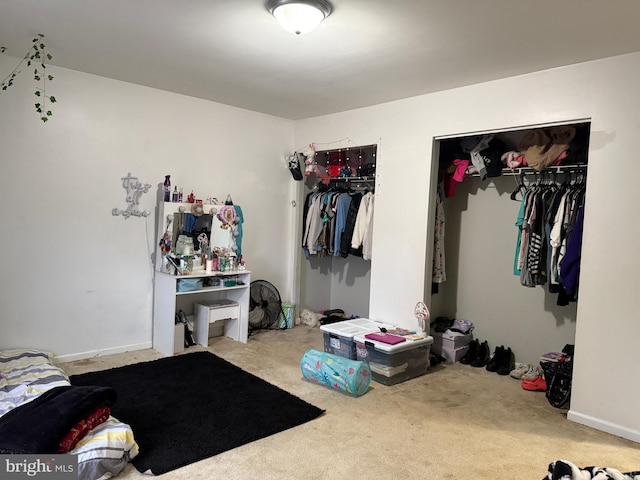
(183,228)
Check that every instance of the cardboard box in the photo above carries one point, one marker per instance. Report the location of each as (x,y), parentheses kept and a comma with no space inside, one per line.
(178,338)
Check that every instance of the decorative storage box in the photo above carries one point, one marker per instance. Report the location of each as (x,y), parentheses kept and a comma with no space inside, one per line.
(391,364)
(450,345)
(450,355)
(338,337)
(450,340)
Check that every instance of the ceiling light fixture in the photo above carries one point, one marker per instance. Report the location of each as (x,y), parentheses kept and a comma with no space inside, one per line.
(299,16)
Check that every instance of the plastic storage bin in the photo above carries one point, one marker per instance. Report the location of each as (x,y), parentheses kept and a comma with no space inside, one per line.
(338,337)
(392,364)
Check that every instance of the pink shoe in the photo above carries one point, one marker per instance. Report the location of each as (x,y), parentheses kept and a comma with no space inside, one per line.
(538,384)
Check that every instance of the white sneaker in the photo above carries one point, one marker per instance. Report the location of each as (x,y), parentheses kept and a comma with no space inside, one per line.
(519,370)
(533,373)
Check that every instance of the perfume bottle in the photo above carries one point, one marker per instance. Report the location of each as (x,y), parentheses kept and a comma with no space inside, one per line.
(180,196)
(167,188)
(174,197)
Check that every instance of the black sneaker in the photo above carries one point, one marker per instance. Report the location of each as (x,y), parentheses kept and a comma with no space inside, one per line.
(496,360)
(508,363)
(468,357)
(482,358)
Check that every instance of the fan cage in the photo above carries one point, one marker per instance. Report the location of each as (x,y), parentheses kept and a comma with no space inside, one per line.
(265,307)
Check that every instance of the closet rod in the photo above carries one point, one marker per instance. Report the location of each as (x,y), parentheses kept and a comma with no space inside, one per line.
(561,169)
(364,178)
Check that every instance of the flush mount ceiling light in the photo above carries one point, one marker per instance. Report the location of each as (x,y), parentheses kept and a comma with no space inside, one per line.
(299,16)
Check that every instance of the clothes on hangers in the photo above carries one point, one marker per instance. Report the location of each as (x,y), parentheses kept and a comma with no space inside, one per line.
(338,223)
(546,220)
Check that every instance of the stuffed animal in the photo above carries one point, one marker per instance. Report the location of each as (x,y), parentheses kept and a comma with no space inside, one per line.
(309,162)
(309,317)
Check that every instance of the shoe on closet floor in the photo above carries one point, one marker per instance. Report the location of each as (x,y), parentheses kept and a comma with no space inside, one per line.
(533,372)
(519,369)
(470,356)
(508,362)
(496,359)
(482,357)
(536,385)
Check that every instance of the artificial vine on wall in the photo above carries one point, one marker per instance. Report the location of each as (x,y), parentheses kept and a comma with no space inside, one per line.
(36,56)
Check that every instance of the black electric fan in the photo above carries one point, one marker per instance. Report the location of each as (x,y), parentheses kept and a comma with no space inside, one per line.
(265,305)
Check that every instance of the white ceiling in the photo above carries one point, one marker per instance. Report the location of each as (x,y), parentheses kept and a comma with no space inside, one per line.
(366,52)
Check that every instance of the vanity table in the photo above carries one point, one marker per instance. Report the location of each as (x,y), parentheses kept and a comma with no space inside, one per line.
(229,289)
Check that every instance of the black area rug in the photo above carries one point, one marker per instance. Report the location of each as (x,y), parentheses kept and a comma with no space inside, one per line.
(189,407)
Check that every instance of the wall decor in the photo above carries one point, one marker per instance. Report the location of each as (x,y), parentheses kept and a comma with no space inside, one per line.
(36,56)
(134,189)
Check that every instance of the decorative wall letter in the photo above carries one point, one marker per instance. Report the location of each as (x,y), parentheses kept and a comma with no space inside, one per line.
(134,191)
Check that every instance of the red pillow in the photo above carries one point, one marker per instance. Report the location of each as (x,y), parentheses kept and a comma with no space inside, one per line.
(77,433)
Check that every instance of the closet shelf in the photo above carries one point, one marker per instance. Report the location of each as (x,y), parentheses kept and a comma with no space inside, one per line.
(353,182)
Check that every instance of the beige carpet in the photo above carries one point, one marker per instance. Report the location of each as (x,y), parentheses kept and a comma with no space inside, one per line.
(455,422)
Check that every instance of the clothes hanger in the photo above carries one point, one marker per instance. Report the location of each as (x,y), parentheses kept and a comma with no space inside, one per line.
(520,188)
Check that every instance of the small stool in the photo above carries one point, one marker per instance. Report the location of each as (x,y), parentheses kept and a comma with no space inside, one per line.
(216,311)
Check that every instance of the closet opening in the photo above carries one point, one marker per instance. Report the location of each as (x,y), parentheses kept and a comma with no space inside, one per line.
(336,230)
(484,270)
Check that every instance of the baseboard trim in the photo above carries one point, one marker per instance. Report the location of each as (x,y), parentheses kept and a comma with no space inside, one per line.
(603,425)
(72,357)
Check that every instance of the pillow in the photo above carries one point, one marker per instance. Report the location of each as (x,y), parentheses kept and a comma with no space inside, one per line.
(30,367)
(21,358)
(84,426)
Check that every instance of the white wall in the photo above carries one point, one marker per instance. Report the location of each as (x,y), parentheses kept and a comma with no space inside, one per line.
(336,282)
(605,91)
(77,280)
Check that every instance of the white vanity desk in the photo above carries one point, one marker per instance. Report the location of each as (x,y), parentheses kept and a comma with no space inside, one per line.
(229,305)
(167,300)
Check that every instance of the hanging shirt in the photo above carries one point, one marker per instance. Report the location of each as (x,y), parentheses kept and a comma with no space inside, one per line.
(362,221)
(367,241)
(347,234)
(570,266)
(517,267)
(314,225)
(439,274)
(342,207)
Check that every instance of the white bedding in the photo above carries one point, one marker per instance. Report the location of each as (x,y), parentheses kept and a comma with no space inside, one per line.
(26,374)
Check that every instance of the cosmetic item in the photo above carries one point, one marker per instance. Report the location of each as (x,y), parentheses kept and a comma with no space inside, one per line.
(191,198)
(174,197)
(167,188)
(180,196)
